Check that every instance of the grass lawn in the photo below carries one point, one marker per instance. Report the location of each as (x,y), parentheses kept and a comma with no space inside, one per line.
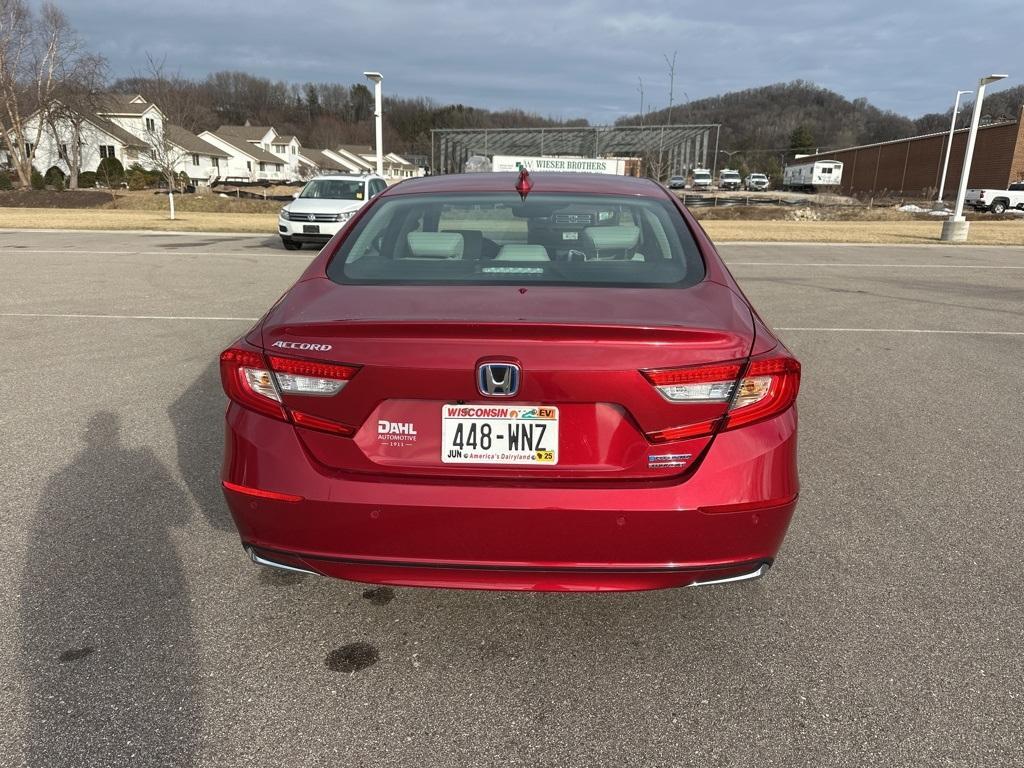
(896,232)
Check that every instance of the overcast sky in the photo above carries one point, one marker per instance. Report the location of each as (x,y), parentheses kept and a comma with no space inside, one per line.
(570,59)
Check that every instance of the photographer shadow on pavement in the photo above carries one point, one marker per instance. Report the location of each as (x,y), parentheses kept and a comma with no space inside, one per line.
(198,419)
(108,654)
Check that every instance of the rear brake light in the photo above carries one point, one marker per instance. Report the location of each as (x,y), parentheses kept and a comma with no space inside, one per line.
(769,386)
(309,377)
(251,382)
(704,384)
(247,381)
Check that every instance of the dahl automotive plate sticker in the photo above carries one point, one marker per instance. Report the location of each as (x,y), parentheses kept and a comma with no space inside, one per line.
(485,434)
(396,433)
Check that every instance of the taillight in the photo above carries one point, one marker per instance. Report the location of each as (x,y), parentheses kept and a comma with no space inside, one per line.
(768,386)
(309,377)
(247,380)
(257,382)
(706,384)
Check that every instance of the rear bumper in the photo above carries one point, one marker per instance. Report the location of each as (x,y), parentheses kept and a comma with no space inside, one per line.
(726,520)
(293,230)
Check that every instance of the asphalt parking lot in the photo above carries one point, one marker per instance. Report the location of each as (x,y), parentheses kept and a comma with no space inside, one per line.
(133,631)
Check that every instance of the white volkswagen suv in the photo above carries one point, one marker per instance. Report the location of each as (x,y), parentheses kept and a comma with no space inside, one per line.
(323,206)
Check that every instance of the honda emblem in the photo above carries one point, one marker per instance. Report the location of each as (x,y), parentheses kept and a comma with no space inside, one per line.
(498,379)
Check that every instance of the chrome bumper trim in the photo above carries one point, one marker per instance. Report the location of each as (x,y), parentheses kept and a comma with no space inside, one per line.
(271,564)
(755,574)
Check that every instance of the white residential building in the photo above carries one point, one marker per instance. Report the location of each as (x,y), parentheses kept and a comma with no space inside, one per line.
(200,160)
(131,129)
(396,167)
(313,162)
(257,153)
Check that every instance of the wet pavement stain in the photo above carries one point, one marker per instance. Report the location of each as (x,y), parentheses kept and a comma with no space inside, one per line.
(74,654)
(352,657)
(379,595)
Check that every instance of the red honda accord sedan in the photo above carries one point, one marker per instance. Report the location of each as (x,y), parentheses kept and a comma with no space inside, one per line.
(509,382)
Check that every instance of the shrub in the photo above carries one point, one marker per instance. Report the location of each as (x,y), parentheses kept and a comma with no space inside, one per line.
(5,181)
(110,172)
(153,178)
(54,178)
(38,182)
(137,180)
(87,180)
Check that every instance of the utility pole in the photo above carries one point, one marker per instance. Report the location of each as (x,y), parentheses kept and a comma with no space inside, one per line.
(378,115)
(641,89)
(949,143)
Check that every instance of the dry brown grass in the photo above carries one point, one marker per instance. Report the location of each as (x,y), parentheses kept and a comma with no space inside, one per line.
(107,218)
(895,232)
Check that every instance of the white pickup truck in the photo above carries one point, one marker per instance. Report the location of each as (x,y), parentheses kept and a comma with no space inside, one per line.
(996,200)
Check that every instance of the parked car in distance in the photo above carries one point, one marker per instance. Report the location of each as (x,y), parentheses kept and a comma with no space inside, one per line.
(677,182)
(729,179)
(756,182)
(323,206)
(996,200)
(499,381)
(702,178)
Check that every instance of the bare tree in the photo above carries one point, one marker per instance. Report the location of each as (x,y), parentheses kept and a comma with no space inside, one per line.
(37,54)
(162,153)
(671,102)
(77,99)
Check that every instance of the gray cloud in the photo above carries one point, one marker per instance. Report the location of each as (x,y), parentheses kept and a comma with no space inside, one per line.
(578,58)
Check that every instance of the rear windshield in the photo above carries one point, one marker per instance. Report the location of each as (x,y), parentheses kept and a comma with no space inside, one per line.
(333,189)
(486,238)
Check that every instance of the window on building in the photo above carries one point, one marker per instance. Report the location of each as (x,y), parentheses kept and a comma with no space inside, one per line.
(29,146)
(215,161)
(150,124)
(277,166)
(279,148)
(263,166)
(195,159)
(64,151)
(106,150)
(293,149)
(248,165)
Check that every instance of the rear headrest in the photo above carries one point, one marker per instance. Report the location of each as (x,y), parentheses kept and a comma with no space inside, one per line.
(522,252)
(435,245)
(622,237)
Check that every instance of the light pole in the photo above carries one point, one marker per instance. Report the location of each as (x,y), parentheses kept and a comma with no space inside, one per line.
(378,115)
(956,228)
(949,144)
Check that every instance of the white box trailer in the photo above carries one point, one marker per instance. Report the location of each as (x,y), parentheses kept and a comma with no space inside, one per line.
(609,165)
(819,174)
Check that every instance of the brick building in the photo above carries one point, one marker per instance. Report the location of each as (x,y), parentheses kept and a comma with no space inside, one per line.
(913,166)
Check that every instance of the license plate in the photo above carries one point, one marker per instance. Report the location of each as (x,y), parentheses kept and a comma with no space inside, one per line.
(311,229)
(499,434)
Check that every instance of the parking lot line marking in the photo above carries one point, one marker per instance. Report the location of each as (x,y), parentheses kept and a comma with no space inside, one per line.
(869,266)
(67,251)
(811,244)
(903,330)
(76,316)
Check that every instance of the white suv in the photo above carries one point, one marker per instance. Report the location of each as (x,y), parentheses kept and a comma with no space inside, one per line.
(323,207)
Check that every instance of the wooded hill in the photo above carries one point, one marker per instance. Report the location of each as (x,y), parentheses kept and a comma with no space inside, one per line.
(765,126)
